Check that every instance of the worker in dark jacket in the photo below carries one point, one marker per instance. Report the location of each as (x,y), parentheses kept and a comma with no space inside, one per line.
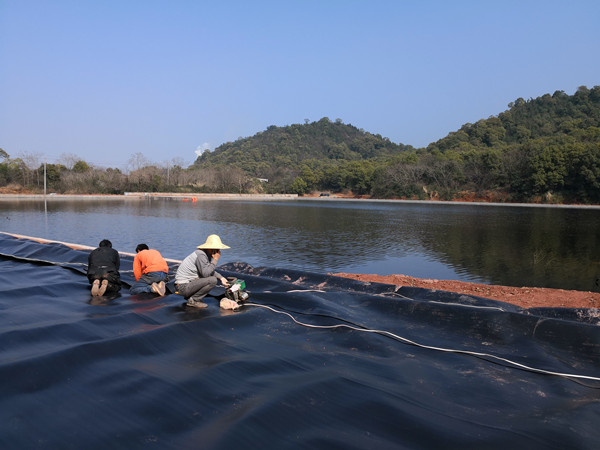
(103,269)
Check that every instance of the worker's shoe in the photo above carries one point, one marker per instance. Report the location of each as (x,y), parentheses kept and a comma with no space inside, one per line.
(103,287)
(96,288)
(159,288)
(196,304)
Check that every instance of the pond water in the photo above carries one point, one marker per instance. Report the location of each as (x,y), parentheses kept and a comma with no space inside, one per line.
(509,245)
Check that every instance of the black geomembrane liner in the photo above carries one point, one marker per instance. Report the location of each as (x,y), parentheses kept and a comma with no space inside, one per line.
(140,371)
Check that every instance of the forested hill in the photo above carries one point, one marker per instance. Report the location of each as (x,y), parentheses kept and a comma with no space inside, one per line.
(544,149)
(547,149)
(549,117)
(292,145)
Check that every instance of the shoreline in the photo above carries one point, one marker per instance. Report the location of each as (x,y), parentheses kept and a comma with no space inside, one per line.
(524,297)
(146,196)
(333,198)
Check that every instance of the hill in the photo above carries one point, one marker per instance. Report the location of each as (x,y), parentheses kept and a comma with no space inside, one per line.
(546,117)
(545,149)
(293,145)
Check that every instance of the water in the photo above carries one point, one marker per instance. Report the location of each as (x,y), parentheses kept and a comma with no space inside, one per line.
(517,246)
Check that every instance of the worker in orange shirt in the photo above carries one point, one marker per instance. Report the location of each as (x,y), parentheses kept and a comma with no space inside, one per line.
(150,270)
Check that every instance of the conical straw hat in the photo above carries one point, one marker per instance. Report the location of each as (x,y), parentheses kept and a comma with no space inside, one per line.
(213,242)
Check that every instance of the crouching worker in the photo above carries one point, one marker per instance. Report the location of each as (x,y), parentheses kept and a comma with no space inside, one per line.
(150,271)
(197,274)
(103,269)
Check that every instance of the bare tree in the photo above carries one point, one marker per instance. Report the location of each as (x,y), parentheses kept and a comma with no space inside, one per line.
(166,165)
(31,161)
(134,166)
(137,161)
(68,160)
(405,175)
(239,179)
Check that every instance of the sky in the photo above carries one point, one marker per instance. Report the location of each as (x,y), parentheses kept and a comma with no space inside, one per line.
(107,80)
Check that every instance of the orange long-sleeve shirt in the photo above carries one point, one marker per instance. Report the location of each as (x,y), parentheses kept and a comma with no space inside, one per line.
(149,261)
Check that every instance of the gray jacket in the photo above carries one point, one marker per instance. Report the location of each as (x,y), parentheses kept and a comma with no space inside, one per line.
(195,265)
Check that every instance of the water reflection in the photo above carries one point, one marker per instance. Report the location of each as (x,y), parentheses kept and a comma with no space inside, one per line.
(520,246)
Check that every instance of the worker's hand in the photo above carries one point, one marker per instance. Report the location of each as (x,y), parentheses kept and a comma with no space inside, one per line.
(224,282)
(228,304)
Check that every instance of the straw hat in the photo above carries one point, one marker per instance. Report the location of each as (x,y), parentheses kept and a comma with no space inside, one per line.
(213,242)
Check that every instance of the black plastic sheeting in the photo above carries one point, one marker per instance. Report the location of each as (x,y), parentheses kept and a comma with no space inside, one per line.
(139,371)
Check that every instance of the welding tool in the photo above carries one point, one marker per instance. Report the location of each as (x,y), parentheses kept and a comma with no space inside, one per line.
(236,291)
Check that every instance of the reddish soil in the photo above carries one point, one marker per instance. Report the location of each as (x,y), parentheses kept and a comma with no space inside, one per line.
(14,189)
(525,297)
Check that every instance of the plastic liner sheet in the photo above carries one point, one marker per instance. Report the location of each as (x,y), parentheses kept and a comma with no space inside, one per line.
(378,367)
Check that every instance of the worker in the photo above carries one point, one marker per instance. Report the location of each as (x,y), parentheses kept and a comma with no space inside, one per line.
(103,269)
(197,274)
(150,270)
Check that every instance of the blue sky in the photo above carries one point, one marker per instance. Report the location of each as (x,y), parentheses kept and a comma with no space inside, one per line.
(105,80)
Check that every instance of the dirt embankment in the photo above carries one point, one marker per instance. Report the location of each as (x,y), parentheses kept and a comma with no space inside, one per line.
(525,297)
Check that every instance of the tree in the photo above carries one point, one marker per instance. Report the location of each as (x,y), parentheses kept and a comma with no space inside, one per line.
(68,160)
(358,176)
(80,167)
(29,162)
(53,174)
(548,168)
(137,161)
(299,186)
(482,168)
(444,175)
(309,178)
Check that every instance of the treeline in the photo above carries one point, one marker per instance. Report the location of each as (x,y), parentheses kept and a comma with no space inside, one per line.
(547,147)
(544,150)
(16,175)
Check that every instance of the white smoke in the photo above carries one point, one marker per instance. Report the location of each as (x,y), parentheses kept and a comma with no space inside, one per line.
(202,148)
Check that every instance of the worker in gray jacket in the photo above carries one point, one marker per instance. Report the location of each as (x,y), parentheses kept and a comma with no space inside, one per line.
(197,273)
